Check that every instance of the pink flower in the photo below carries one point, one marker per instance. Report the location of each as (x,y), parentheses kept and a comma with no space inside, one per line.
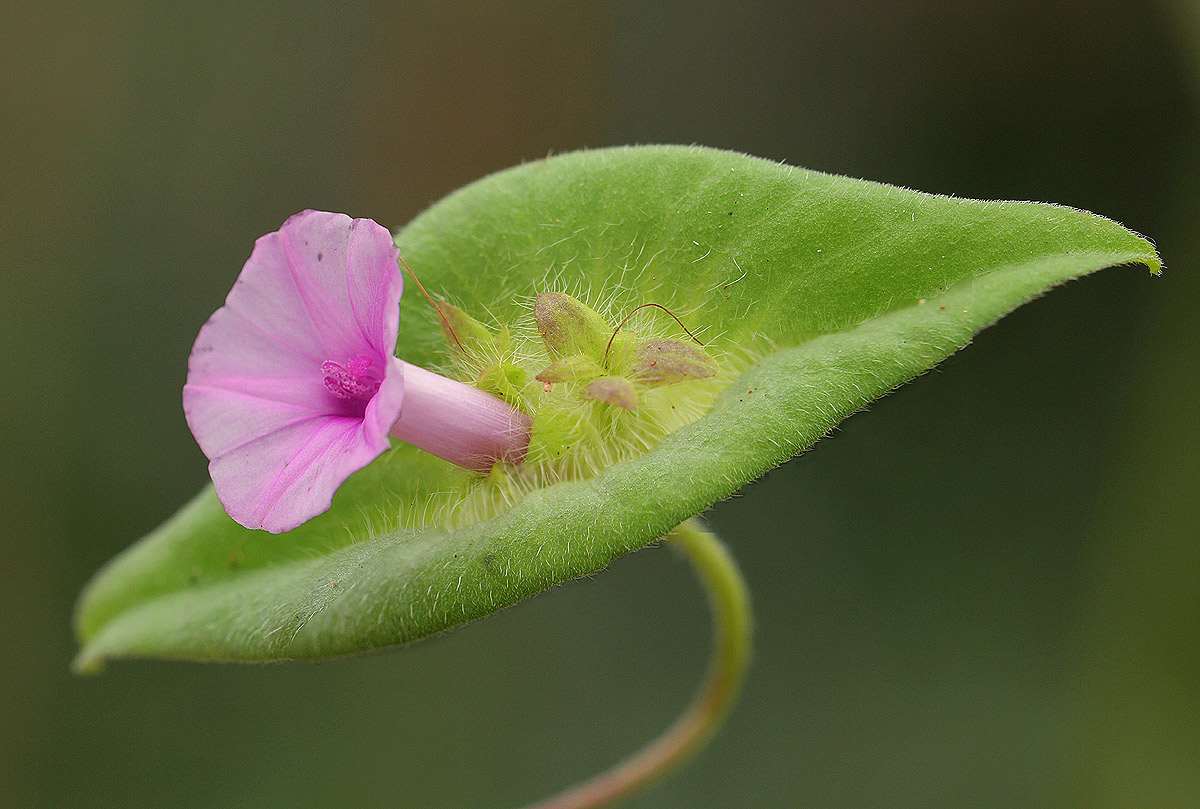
(292,385)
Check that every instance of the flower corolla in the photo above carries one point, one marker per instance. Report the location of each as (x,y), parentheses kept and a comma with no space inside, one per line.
(293,384)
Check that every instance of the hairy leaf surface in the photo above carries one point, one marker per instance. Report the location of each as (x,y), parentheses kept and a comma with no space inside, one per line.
(819,293)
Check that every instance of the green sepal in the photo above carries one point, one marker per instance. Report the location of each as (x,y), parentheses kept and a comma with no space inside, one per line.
(569,326)
(575,368)
(508,381)
(559,427)
(464,333)
(665,362)
(614,390)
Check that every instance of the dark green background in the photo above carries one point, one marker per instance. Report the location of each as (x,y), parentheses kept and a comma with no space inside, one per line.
(985,592)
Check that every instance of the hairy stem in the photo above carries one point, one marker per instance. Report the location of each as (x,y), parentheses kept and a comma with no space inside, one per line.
(730,604)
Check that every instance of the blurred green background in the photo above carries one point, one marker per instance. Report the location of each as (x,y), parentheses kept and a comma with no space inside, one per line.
(984,592)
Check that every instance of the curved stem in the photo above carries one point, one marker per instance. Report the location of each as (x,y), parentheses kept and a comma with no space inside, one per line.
(730,604)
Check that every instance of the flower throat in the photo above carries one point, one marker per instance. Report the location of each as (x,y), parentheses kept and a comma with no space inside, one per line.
(354,380)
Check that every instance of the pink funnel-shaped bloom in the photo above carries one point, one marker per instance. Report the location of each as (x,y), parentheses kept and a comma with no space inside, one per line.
(292,385)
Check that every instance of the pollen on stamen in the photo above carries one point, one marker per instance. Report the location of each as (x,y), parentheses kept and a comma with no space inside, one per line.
(354,380)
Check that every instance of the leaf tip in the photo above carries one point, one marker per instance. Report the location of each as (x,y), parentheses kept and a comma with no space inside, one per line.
(88,662)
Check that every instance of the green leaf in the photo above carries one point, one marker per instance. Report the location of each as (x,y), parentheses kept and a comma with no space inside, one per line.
(815,294)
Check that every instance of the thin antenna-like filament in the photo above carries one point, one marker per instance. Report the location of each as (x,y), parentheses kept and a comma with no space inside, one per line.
(634,311)
(441,314)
